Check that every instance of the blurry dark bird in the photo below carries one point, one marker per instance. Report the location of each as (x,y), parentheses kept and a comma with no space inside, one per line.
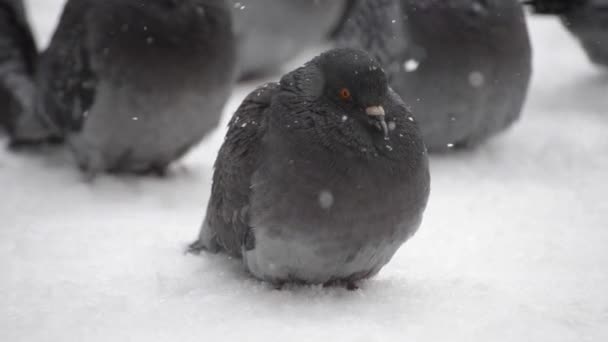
(554,6)
(321,177)
(462,65)
(270,33)
(132,85)
(18,58)
(586,19)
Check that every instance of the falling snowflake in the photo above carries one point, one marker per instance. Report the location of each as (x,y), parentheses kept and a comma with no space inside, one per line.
(476,79)
(326,199)
(411,65)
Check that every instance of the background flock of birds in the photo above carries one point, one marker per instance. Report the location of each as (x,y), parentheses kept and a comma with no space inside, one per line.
(462,66)
(132,85)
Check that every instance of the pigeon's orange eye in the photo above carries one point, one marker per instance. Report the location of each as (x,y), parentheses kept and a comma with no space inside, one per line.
(344,94)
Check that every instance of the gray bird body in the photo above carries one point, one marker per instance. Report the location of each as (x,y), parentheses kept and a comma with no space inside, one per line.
(462,65)
(143,82)
(18,58)
(306,192)
(589,23)
(271,33)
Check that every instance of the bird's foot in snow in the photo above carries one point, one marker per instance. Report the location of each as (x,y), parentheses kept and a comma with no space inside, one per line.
(159,171)
(352,286)
(199,246)
(349,285)
(196,248)
(278,285)
(19,144)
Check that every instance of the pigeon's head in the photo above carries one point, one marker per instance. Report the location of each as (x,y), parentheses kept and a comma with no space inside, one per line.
(356,83)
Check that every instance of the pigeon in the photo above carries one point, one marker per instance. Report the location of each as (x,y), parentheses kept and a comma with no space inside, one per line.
(463,66)
(269,36)
(585,19)
(132,85)
(321,177)
(18,58)
(554,6)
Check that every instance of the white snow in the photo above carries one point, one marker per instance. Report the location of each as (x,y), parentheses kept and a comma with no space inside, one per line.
(514,245)
(326,199)
(476,79)
(411,65)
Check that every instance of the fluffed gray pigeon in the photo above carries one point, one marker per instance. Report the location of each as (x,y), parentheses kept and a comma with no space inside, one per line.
(586,19)
(554,6)
(321,177)
(132,85)
(462,65)
(589,23)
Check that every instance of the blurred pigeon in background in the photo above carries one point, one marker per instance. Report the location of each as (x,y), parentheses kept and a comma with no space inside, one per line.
(321,177)
(270,33)
(586,19)
(590,25)
(554,6)
(18,58)
(134,85)
(462,65)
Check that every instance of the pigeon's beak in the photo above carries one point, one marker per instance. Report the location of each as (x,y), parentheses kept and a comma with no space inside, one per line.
(377,113)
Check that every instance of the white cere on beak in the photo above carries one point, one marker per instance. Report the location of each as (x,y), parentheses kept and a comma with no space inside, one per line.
(375,111)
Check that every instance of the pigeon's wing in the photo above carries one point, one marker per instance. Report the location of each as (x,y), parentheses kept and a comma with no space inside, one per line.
(226,224)
(66,80)
(18,56)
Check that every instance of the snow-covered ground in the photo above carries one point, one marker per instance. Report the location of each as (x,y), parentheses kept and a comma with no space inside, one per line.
(514,246)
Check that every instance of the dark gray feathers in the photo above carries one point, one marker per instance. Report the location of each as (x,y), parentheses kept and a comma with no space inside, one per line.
(589,23)
(132,85)
(18,58)
(228,208)
(66,81)
(307,188)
